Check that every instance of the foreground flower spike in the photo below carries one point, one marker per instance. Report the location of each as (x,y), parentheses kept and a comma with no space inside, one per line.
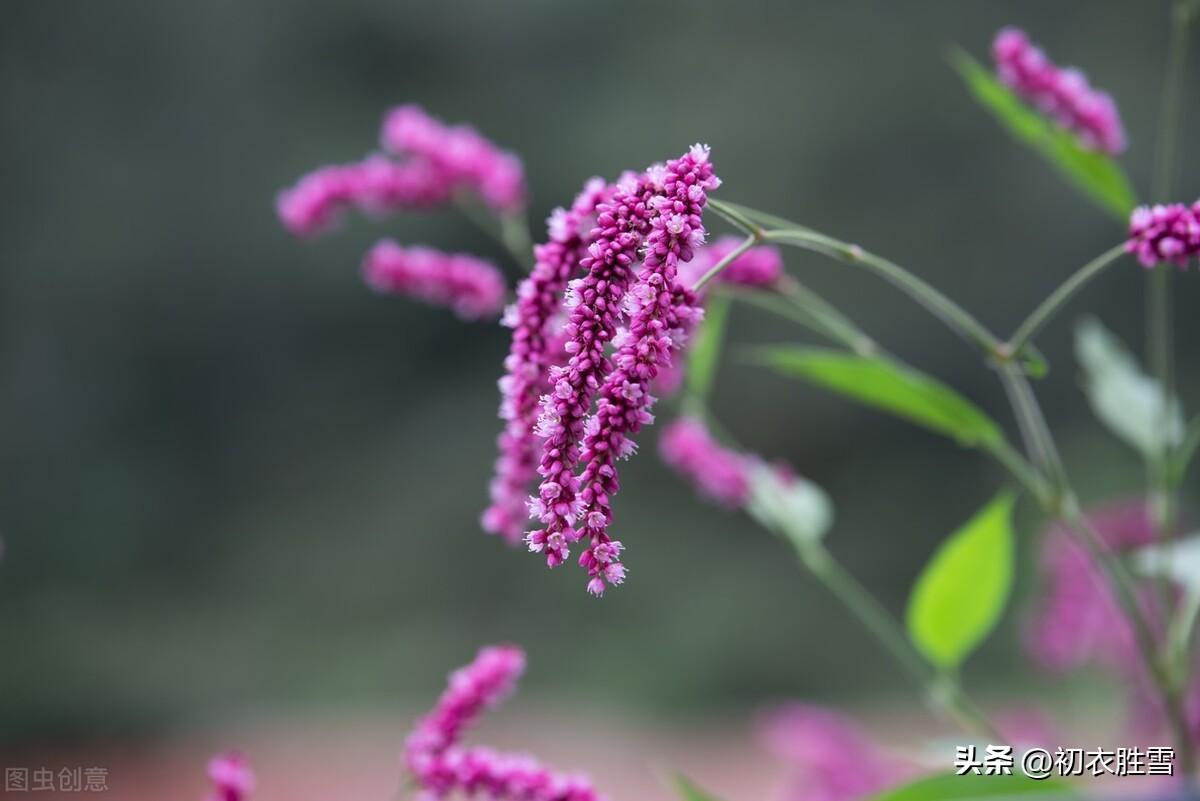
(721,475)
(536,343)
(660,215)
(473,288)
(1077,620)
(831,758)
(442,767)
(231,777)
(460,154)
(1062,94)
(1164,233)
(760,266)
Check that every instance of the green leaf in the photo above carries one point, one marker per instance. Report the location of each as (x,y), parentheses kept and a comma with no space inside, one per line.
(949,787)
(961,594)
(1129,402)
(885,385)
(705,349)
(1093,172)
(689,791)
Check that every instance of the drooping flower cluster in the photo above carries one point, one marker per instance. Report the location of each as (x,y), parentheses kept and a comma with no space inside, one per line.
(719,474)
(646,315)
(830,757)
(441,766)
(1063,94)
(232,778)
(537,320)
(1164,233)
(473,288)
(760,266)
(431,164)
(459,155)
(435,162)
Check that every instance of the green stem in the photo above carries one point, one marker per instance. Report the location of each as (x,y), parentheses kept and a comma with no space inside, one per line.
(509,230)
(934,301)
(752,240)
(1045,312)
(837,326)
(943,690)
(1185,452)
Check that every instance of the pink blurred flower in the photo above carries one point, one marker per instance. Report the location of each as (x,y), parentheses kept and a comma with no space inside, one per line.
(473,288)
(719,474)
(1076,620)
(1062,94)
(441,766)
(830,758)
(232,778)
(759,266)
(460,155)
(1164,233)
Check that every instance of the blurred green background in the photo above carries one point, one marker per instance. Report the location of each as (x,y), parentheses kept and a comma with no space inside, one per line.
(232,478)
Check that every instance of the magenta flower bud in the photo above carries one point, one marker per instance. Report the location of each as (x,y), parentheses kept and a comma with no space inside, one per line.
(1164,233)
(473,288)
(760,266)
(718,473)
(442,767)
(1062,94)
(460,154)
(232,778)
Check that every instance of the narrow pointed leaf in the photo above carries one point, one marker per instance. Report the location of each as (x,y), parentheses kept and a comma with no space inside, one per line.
(688,791)
(962,592)
(881,383)
(950,787)
(1097,174)
(705,350)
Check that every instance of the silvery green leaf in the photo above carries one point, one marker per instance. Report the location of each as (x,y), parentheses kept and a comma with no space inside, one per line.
(793,507)
(1125,399)
(1179,561)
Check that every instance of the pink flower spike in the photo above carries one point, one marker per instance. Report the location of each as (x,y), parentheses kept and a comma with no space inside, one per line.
(232,778)
(1164,233)
(1064,95)
(460,154)
(719,474)
(665,214)
(473,288)
(537,320)
(442,767)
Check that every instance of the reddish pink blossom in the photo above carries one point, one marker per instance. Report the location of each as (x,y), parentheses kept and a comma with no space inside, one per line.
(473,288)
(232,778)
(1062,94)
(760,266)
(537,342)
(463,157)
(830,757)
(375,185)
(442,766)
(1164,233)
(1076,619)
(720,474)
(658,216)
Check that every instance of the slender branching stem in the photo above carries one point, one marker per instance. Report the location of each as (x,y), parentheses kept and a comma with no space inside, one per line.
(1059,298)
(750,241)
(943,690)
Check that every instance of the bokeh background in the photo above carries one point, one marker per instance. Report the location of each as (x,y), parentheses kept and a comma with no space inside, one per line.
(237,489)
